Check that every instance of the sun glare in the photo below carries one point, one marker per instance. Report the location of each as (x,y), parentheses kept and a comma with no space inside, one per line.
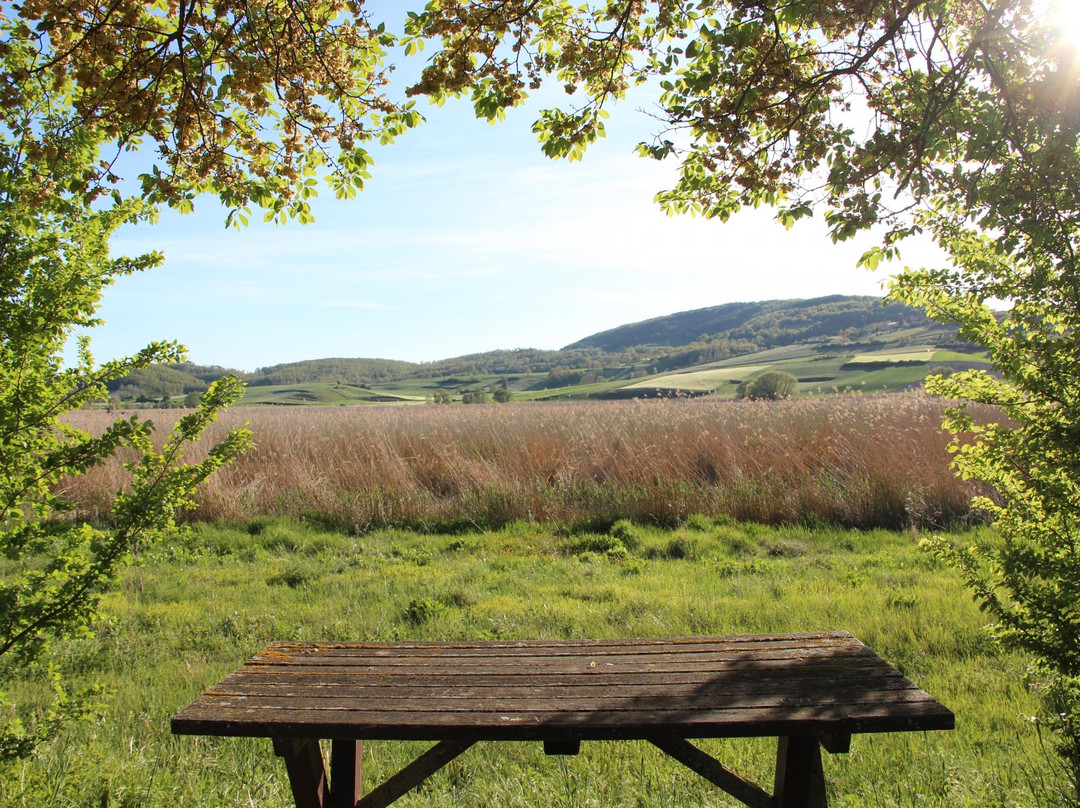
(1065,15)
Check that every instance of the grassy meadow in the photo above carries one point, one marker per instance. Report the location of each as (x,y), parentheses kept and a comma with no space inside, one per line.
(559,520)
(199,604)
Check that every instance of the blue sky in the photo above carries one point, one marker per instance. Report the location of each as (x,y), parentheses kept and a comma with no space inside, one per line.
(467,239)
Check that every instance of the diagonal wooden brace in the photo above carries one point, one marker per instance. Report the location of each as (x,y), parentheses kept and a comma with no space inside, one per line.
(414,774)
(714,771)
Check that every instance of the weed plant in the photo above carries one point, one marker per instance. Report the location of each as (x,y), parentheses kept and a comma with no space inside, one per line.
(198,606)
(855,461)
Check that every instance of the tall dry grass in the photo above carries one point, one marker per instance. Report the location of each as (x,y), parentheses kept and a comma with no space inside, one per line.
(873,461)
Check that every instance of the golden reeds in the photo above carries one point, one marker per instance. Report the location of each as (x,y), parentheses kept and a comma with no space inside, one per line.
(859,461)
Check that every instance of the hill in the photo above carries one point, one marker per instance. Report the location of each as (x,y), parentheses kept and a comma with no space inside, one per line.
(768,323)
(829,342)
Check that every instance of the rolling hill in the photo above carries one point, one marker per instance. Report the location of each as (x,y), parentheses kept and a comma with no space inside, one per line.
(828,343)
(771,322)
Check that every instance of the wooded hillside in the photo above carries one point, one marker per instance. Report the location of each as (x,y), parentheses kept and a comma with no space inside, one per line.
(662,344)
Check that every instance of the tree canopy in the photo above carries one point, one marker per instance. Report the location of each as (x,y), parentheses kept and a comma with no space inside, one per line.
(249,101)
(864,107)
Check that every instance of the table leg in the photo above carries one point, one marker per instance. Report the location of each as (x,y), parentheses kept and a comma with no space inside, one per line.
(346,768)
(307,773)
(800,780)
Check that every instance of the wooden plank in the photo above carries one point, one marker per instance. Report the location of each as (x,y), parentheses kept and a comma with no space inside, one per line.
(498,646)
(791,672)
(835,744)
(654,661)
(827,719)
(559,647)
(584,707)
(562,747)
(766,667)
(599,668)
(715,687)
(751,643)
(717,723)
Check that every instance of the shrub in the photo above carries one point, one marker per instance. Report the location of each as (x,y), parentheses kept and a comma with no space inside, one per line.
(625,531)
(772,385)
(421,610)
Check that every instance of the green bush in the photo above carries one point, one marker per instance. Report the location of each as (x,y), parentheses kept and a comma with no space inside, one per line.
(772,385)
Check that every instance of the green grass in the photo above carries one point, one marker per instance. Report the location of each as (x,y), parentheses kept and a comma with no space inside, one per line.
(573,392)
(781,354)
(699,380)
(887,379)
(199,605)
(915,354)
(426,386)
(325,393)
(888,370)
(978,358)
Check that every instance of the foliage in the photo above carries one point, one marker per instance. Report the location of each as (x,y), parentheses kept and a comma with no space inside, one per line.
(1030,582)
(151,383)
(361,372)
(251,102)
(958,118)
(248,101)
(475,397)
(53,268)
(772,385)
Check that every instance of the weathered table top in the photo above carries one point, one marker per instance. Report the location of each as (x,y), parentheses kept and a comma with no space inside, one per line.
(696,687)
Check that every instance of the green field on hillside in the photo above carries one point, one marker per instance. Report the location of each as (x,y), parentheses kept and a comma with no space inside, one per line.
(887,370)
(571,393)
(912,355)
(325,393)
(712,379)
(977,358)
(198,606)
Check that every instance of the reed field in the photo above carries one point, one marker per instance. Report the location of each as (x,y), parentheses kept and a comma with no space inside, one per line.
(200,603)
(853,461)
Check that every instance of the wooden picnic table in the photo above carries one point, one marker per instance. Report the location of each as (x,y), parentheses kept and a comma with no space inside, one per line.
(808,690)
